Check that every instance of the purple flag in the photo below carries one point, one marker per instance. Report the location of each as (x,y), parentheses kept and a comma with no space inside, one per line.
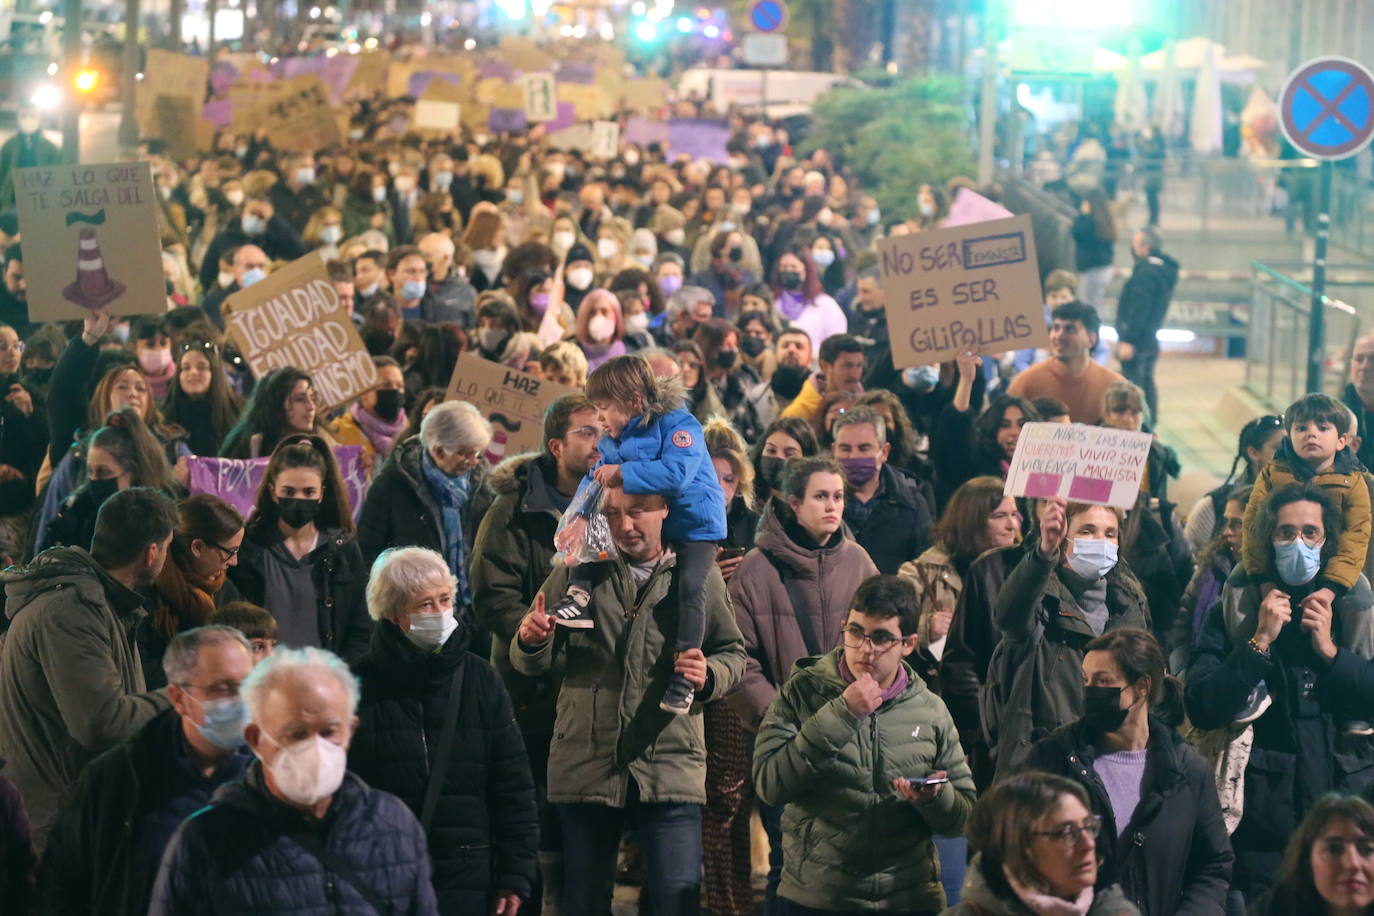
(336,73)
(699,138)
(494,68)
(565,118)
(222,77)
(419,81)
(236,480)
(574,72)
(297,66)
(220,112)
(643,131)
(506,120)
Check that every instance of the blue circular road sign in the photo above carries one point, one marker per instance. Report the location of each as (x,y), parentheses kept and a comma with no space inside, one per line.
(768,15)
(1326,108)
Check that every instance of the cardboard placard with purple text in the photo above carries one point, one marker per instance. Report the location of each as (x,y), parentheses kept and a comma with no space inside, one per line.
(1078,463)
(90,240)
(973,287)
(295,318)
(512,401)
(236,480)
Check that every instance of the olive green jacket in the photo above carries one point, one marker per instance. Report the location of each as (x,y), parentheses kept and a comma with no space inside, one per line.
(608,726)
(850,842)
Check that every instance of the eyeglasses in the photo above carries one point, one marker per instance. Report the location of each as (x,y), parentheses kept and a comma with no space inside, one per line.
(1068,835)
(229,552)
(17,347)
(222,691)
(880,640)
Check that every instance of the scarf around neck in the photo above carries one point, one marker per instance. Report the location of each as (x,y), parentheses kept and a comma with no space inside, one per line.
(1047,904)
(791,304)
(452,495)
(188,599)
(379,432)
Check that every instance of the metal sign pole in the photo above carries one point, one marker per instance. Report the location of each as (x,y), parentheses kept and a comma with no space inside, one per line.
(1316,321)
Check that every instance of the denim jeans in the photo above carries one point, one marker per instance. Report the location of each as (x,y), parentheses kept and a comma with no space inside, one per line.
(668,834)
(1140,371)
(953,863)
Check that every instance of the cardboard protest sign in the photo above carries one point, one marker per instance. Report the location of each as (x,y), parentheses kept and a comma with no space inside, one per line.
(181,125)
(236,480)
(605,139)
(972,207)
(168,73)
(541,104)
(1086,464)
(644,94)
(506,120)
(398,78)
(643,131)
(700,138)
(973,287)
(295,318)
(370,70)
(523,54)
(433,115)
(90,240)
(301,118)
(514,402)
(587,101)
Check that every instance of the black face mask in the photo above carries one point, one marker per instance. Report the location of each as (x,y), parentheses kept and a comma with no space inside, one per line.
(791,280)
(378,342)
(726,358)
(770,469)
(388,405)
(297,513)
(753,347)
(102,489)
(1102,708)
(37,376)
(737,254)
(787,380)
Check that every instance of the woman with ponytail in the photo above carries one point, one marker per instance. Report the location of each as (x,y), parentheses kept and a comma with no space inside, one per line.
(121,454)
(1259,440)
(1163,839)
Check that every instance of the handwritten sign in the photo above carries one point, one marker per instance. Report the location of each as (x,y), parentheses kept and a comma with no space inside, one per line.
(90,240)
(973,287)
(431,114)
(541,104)
(514,402)
(236,480)
(301,118)
(180,124)
(605,139)
(1085,464)
(168,73)
(972,207)
(295,318)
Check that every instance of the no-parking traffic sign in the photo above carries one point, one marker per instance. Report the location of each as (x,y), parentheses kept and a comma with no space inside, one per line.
(1326,108)
(768,15)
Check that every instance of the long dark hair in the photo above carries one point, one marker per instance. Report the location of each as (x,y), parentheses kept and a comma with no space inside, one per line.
(985,427)
(961,529)
(223,402)
(1252,435)
(1296,890)
(436,353)
(309,452)
(795,427)
(1137,653)
(129,442)
(265,413)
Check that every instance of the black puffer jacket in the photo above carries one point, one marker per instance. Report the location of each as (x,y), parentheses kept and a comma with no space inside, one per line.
(400,511)
(239,856)
(895,524)
(485,833)
(1174,856)
(340,588)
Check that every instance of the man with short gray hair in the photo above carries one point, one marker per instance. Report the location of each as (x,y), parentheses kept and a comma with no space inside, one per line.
(449,297)
(883,506)
(298,833)
(103,853)
(1359,396)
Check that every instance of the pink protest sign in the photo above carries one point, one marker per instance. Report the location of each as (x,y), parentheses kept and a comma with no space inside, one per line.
(1086,464)
(972,207)
(235,480)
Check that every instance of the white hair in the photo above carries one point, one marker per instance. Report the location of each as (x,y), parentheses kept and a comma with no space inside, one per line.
(183,652)
(686,297)
(286,663)
(399,574)
(454,426)
(445,242)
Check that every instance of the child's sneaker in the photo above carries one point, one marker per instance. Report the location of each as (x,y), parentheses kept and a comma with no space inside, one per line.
(677,699)
(571,610)
(1357,727)
(1255,705)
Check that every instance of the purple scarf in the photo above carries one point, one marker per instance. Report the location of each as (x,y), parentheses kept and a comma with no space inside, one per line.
(379,432)
(597,354)
(893,690)
(791,305)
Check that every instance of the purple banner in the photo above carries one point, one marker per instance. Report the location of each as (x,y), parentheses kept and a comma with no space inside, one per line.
(574,72)
(336,73)
(220,112)
(699,138)
(419,81)
(236,480)
(506,120)
(222,77)
(491,68)
(566,117)
(643,131)
(298,66)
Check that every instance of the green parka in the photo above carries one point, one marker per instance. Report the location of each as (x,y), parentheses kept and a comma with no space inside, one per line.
(608,725)
(850,842)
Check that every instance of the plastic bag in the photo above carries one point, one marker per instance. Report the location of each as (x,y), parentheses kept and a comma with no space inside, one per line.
(583,535)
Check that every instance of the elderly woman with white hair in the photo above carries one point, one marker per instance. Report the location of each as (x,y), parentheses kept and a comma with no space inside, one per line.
(432,490)
(436,728)
(298,834)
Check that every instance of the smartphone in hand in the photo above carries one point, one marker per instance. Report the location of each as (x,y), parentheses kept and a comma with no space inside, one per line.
(920,782)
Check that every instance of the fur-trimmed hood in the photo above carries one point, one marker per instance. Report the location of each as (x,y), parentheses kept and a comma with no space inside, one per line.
(509,475)
(669,394)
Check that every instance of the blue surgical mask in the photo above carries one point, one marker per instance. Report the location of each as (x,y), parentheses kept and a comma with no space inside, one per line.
(921,378)
(224,722)
(412,289)
(331,235)
(823,257)
(379,193)
(515,196)
(253,224)
(443,179)
(1297,561)
(1093,558)
(250,276)
(874,217)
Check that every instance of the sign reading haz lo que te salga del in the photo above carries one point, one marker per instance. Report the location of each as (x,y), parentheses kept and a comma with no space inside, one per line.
(295,318)
(974,287)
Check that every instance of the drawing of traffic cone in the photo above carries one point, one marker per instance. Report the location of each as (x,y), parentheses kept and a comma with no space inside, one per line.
(93,287)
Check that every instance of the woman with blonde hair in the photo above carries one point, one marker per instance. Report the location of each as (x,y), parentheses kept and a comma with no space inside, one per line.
(324,231)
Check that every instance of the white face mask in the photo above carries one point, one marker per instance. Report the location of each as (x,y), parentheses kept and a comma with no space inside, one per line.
(637,324)
(430,631)
(600,328)
(1093,558)
(308,771)
(234,197)
(607,248)
(579,278)
(226,279)
(563,240)
(675,236)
